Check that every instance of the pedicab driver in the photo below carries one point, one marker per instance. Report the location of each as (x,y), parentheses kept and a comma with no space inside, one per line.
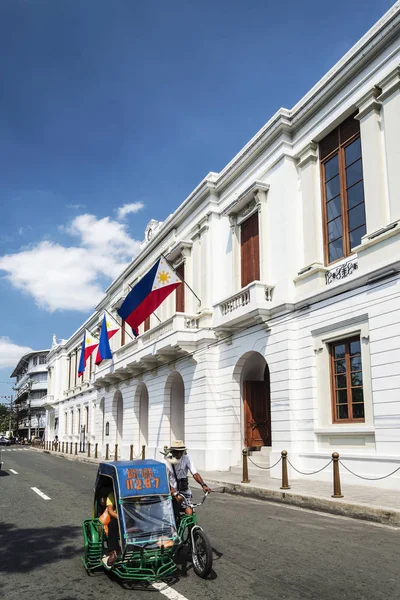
(178,464)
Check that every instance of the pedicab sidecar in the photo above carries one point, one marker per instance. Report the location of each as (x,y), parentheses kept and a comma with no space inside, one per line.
(148,536)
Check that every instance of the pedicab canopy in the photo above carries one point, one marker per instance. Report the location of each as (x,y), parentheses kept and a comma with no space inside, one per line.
(136,477)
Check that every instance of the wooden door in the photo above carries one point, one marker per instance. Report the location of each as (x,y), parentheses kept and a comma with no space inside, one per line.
(257,414)
(250,250)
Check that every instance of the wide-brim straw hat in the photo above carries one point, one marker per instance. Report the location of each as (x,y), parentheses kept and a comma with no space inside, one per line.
(177,445)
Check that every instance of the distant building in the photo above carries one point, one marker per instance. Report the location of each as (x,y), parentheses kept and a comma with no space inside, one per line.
(31,389)
(294,252)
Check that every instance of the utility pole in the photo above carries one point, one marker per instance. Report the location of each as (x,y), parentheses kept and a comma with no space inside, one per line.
(29,412)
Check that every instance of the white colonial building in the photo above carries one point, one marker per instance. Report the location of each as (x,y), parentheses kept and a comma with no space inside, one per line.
(30,390)
(291,339)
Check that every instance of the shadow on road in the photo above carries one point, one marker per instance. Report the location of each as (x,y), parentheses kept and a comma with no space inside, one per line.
(25,549)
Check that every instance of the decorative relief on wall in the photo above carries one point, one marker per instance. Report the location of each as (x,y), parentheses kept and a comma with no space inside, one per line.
(341,272)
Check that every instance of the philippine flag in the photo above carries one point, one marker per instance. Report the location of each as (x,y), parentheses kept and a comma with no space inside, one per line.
(104,350)
(89,344)
(148,294)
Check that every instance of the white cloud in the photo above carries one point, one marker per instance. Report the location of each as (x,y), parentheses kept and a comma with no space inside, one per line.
(11,353)
(70,278)
(126,209)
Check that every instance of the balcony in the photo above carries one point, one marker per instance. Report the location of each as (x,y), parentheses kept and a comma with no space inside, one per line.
(251,304)
(38,402)
(178,336)
(47,401)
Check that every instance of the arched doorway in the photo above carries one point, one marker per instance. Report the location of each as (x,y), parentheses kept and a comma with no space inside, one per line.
(119,416)
(175,398)
(255,393)
(142,396)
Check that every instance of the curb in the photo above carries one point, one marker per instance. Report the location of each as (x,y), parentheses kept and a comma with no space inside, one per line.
(365,512)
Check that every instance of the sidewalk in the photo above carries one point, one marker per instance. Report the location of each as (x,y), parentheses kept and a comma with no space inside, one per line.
(359,501)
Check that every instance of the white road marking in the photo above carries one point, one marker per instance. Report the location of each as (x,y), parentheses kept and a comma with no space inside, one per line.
(35,489)
(167,591)
(12,471)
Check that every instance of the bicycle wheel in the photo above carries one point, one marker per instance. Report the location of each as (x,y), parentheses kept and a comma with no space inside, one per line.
(201,553)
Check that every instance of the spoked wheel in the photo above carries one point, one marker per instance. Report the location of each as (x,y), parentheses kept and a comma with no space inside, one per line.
(201,553)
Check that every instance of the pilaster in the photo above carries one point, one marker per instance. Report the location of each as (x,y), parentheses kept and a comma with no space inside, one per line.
(390,99)
(369,116)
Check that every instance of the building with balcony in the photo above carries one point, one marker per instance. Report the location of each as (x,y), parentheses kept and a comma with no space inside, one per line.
(287,334)
(30,389)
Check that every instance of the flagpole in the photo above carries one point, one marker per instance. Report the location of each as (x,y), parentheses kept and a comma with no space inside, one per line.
(156,316)
(183,281)
(105,310)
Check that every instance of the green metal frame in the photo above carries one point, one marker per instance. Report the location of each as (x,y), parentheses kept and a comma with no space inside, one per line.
(135,563)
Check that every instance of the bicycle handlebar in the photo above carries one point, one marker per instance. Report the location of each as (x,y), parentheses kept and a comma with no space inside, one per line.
(191,504)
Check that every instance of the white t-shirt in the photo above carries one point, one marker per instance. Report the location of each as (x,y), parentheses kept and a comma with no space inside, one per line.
(184,465)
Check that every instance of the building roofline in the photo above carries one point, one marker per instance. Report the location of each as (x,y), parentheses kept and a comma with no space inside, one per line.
(25,359)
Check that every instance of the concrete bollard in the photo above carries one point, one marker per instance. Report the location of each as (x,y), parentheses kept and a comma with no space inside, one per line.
(70,447)
(62,447)
(245,467)
(106,451)
(116,452)
(131,452)
(337,492)
(285,481)
(143,452)
(95,450)
(88,449)
(76,448)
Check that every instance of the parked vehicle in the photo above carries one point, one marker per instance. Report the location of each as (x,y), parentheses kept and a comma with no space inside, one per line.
(4,441)
(150,538)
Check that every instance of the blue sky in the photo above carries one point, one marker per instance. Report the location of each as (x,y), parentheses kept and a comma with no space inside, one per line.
(106,105)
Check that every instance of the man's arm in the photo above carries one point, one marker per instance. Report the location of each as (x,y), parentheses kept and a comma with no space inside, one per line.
(197,477)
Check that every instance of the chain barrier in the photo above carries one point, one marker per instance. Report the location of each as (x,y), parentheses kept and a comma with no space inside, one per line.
(368,478)
(312,472)
(260,467)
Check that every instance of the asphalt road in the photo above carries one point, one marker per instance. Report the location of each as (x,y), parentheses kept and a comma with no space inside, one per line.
(261,550)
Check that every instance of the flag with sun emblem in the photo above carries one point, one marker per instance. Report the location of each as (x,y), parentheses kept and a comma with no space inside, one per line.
(149,293)
(89,345)
(104,350)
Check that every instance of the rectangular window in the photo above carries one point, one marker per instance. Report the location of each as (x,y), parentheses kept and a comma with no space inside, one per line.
(42,359)
(65,422)
(342,190)
(34,361)
(87,418)
(147,324)
(250,250)
(180,290)
(72,421)
(347,381)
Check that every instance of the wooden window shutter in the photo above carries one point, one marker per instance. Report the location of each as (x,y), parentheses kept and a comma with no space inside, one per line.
(180,290)
(122,332)
(250,250)
(147,324)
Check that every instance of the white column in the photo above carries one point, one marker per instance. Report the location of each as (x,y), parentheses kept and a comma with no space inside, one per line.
(390,99)
(260,196)
(307,163)
(376,207)
(235,252)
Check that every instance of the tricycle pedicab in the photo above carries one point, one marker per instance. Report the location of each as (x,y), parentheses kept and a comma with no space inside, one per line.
(150,538)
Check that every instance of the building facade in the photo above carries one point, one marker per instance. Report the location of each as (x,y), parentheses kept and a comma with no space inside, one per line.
(30,390)
(286,335)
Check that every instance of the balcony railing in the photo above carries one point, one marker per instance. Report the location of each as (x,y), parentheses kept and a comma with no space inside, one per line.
(173,338)
(253,301)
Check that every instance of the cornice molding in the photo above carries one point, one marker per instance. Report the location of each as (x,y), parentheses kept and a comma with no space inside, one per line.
(390,84)
(308,154)
(369,103)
